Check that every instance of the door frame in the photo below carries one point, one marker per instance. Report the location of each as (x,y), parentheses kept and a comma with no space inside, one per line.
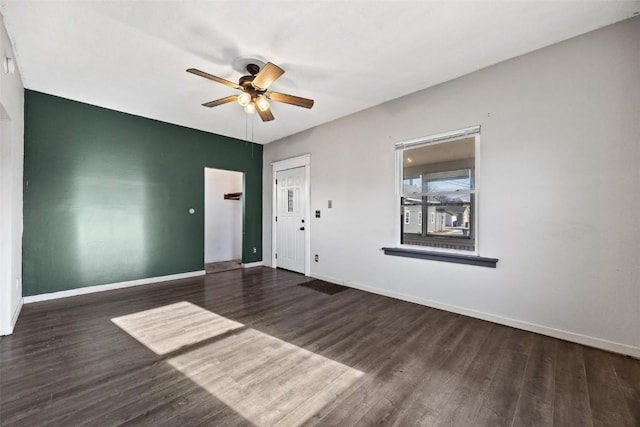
(280,165)
(204,211)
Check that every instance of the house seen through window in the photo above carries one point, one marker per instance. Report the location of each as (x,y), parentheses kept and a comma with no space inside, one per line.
(438,182)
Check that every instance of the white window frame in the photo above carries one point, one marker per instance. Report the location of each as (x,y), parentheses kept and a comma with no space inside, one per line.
(473,131)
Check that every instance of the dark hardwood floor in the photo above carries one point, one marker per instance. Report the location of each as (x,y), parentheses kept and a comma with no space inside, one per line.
(250,347)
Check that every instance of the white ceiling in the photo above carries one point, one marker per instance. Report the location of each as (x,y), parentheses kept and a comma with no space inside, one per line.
(131,55)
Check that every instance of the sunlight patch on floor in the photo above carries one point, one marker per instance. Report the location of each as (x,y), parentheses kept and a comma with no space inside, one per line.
(266,380)
(174,326)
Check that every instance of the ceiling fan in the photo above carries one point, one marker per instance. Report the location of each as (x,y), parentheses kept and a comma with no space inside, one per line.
(255,96)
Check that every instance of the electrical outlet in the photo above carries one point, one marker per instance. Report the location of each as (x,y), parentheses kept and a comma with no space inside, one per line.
(316,257)
(255,250)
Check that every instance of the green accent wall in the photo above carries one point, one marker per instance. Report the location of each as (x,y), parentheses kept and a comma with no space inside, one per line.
(107,195)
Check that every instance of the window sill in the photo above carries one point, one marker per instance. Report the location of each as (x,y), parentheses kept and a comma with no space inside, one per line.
(441,256)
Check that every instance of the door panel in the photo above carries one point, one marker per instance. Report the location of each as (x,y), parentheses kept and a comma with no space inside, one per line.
(290,222)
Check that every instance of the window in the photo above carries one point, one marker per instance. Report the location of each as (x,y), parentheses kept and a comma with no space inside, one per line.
(290,200)
(438,180)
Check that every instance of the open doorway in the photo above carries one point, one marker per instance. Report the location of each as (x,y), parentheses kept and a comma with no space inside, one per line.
(223,206)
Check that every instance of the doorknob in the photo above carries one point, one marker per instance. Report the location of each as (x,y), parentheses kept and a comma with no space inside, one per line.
(301,228)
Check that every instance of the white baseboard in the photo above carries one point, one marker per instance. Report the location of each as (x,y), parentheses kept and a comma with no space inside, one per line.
(600,343)
(110,286)
(253,264)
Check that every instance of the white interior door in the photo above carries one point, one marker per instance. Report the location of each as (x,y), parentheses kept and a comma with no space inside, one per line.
(290,219)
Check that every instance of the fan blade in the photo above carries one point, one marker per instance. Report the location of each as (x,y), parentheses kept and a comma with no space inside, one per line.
(265,115)
(269,74)
(220,101)
(290,99)
(214,78)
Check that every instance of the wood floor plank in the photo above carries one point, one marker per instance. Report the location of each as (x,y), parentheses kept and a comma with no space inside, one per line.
(628,375)
(250,347)
(537,394)
(571,404)
(442,375)
(384,367)
(465,400)
(608,403)
(385,405)
(501,399)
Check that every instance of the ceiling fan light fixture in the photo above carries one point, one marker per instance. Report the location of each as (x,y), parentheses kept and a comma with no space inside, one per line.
(262,103)
(254,96)
(250,108)
(244,99)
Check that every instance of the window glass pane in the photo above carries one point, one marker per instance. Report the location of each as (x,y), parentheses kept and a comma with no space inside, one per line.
(450,222)
(457,198)
(437,204)
(289,200)
(412,185)
(445,166)
(452,215)
(448,181)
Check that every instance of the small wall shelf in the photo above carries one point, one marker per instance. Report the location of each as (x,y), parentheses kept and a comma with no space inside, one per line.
(232,196)
(441,256)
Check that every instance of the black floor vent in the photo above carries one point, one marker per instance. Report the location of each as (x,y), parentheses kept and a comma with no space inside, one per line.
(324,287)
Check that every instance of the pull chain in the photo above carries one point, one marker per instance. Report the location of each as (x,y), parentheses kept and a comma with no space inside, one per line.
(248,120)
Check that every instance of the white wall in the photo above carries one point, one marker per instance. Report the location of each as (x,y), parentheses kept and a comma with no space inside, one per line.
(560,139)
(223,218)
(11,167)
